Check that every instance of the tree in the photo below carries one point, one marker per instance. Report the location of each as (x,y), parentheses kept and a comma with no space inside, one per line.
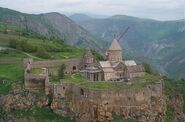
(13,43)
(148,68)
(41,52)
(61,71)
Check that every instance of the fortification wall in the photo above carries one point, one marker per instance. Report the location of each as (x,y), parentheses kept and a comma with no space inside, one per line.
(38,81)
(144,104)
(35,82)
(53,65)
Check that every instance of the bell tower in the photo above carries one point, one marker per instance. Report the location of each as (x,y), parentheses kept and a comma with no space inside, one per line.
(114,52)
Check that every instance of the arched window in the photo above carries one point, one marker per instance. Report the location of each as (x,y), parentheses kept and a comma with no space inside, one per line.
(82,92)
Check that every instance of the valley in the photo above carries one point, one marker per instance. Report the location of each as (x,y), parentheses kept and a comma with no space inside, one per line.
(47,41)
(159,43)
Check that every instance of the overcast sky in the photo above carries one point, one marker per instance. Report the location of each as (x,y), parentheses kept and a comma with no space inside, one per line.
(155,9)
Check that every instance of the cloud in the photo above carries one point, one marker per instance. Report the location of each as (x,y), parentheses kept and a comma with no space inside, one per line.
(156,9)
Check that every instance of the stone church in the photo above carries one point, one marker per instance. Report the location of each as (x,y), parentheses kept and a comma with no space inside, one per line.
(113,69)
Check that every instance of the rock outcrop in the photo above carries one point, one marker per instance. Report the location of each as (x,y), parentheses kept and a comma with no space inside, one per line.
(90,105)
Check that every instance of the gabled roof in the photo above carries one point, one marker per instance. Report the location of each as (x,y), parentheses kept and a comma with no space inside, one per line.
(135,69)
(105,64)
(115,45)
(130,63)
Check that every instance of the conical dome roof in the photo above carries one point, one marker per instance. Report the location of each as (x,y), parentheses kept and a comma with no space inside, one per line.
(115,45)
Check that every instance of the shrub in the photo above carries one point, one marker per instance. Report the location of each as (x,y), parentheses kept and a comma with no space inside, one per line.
(148,68)
(97,56)
(61,71)
(13,43)
(28,47)
(41,52)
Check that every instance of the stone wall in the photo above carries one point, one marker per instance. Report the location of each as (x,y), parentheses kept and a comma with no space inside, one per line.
(72,65)
(144,104)
(38,81)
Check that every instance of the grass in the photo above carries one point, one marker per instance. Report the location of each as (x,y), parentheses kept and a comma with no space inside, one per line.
(74,78)
(114,85)
(74,53)
(42,114)
(148,80)
(36,71)
(5,85)
(80,80)
(54,79)
(169,114)
(11,65)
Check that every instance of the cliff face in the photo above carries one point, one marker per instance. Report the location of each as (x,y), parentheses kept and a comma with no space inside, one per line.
(86,105)
(175,102)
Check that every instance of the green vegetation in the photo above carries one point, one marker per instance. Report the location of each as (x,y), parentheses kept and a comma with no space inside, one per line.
(97,56)
(11,65)
(180,87)
(152,78)
(36,71)
(74,78)
(5,86)
(169,114)
(148,79)
(130,120)
(117,117)
(171,88)
(41,52)
(148,68)
(42,114)
(61,71)
(54,79)
(45,49)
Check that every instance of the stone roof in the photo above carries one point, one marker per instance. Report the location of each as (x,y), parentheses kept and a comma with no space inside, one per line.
(105,64)
(108,70)
(115,45)
(136,69)
(114,63)
(130,63)
(108,64)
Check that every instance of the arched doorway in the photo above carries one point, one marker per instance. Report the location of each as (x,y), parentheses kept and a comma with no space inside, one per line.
(74,68)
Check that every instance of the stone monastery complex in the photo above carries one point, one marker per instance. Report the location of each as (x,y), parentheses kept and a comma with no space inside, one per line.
(113,69)
(88,104)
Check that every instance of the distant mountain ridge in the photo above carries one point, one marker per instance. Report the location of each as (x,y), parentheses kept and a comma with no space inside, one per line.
(161,43)
(80,17)
(51,25)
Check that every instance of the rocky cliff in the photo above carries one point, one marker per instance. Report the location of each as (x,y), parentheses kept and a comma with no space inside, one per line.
(90,105)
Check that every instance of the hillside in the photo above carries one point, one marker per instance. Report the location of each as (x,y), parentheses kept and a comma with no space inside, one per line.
(13,50)
(50,25)
(19,104)
(161,43)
